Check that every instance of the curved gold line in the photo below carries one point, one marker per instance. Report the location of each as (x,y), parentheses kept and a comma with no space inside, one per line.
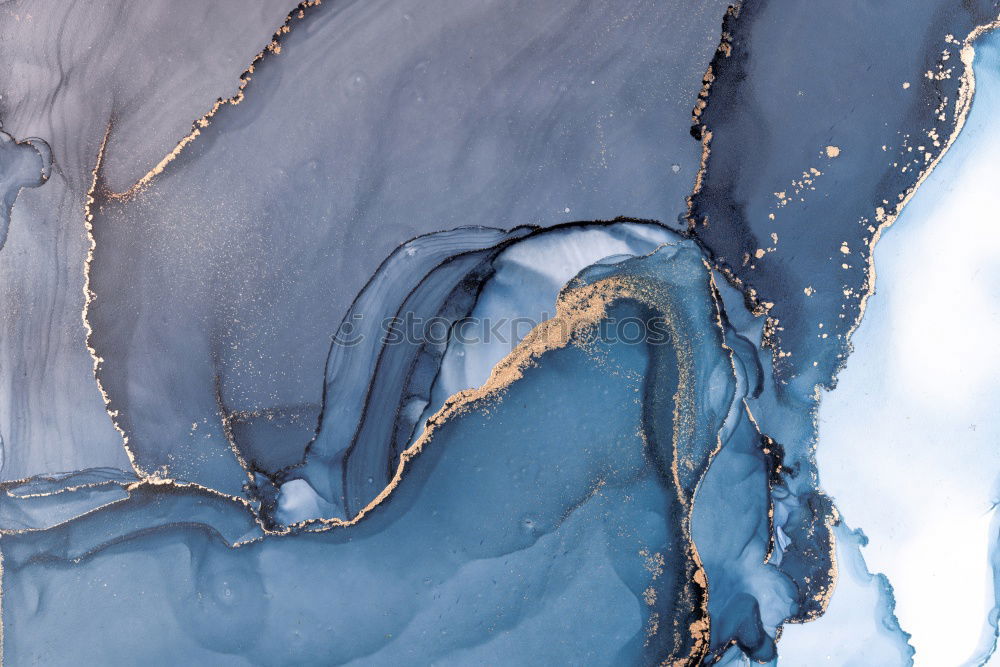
(963,104)
(273,47)
(9,491)
(582,307)
(226,422)
(88,298)
(151,481)
(724,49)
(575,309)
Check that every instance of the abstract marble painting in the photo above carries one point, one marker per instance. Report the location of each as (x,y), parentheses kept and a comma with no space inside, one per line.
(566,332)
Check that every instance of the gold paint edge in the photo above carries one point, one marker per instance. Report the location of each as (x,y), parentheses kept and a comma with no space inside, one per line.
(963,105)
(272,47)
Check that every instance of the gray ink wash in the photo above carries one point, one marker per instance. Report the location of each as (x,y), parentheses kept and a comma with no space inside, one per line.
(253,242)
(72,69)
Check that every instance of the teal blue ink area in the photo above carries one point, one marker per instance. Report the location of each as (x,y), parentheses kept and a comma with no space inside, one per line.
(615,502)
(505,534)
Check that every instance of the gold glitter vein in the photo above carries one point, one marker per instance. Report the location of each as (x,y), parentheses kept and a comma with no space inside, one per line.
(273,47)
